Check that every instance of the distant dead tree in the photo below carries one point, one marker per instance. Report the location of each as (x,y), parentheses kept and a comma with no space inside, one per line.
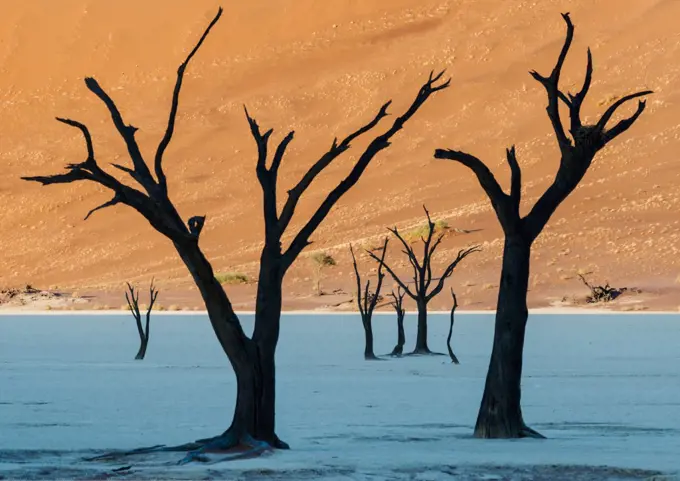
(453,357)
(398,303)
(252,358)
(133,304)
(367,300)
(604,293)
(500,414)
(321,260)
(422,277)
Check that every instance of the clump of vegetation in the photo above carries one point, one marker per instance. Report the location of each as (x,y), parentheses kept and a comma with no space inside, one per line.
(423,231)
(320,260)
(231,278)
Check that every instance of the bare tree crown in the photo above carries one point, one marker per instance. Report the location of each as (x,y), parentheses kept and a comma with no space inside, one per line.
(577,152)
(422,270)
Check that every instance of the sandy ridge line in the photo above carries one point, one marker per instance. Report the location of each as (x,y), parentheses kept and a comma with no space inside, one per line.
(540,310)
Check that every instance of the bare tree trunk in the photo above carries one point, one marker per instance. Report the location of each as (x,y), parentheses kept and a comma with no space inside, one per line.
(453,357)
(369,354)
(265,339)
(142,348)
(500,414)
(421,339)
(401,337)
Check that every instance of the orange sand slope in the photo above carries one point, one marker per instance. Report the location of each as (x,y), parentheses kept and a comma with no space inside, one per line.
(322,69)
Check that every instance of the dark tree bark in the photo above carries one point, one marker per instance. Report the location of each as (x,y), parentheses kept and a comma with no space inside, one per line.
(422,277)
(453,357)
(368,300)
(133,304)
(500,414)
(397,303)
(253,359)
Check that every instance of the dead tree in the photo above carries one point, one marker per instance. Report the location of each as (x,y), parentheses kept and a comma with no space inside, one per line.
(422,277)
(368,300)
(252,358)
(500,414)
(398,303)
(453,357)
(133,304)
(604,293)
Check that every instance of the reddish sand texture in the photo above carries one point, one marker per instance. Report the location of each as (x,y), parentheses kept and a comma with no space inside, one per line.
(323,69)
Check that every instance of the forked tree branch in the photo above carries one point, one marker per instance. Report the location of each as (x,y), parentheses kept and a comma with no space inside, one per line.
(500,201)
(381,142)
(155,205)
(369,301)
(333,153)
(398,300)
(462,254)
(167,137)
(141,172)
(575,159)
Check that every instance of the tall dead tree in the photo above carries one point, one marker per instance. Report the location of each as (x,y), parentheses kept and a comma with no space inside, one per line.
(500,414)
(422,277)
(453,357)
(398,305)
(133,304)
(367,301)
(252,358)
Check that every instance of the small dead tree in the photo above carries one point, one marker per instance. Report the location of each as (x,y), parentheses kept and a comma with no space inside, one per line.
(500,414)
(133,304)
(604,293)
(252,358)
(422,277)
(368,300)
(453,357)
(320,260)
(398,305)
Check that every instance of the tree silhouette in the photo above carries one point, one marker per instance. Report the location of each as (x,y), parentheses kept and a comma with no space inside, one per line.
(453,357)
(367,301)
(398,305)
(252,358)
(500,414)
(422,277)
(133,304)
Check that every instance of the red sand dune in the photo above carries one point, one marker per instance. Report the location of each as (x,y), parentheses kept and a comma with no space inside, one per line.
(322,69)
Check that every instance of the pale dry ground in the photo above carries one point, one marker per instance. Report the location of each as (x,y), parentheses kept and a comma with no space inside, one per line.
(323,69)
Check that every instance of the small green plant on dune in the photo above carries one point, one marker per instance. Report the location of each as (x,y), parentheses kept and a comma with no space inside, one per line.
(320,261)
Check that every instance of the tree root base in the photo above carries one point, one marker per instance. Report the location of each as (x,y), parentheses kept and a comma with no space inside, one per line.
(373,358)
(528,432)
(229,444)
(424,352)
(524,432)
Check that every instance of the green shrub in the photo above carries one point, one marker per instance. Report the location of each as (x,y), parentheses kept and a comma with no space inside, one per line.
(231,278)
(422,231)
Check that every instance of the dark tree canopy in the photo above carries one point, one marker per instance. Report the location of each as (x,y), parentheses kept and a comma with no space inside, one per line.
(500,414)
